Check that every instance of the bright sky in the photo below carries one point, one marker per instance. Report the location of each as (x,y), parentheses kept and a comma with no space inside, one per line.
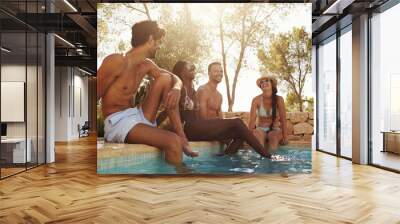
(299,15)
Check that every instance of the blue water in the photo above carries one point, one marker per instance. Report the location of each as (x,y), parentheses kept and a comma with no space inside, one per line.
(245,161)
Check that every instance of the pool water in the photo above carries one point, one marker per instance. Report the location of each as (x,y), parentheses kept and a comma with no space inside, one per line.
(289,160)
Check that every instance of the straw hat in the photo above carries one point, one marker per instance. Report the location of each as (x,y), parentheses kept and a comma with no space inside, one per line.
(266,77)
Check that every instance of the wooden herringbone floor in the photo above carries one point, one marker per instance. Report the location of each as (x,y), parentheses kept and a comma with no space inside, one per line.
(70,191)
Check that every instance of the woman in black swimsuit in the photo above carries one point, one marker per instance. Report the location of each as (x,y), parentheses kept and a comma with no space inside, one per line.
(196,129)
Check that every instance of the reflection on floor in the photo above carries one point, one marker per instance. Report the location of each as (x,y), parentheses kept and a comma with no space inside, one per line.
(387,159)
(10,169)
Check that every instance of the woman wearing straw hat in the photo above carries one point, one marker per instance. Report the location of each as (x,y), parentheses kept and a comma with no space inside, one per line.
(269,109)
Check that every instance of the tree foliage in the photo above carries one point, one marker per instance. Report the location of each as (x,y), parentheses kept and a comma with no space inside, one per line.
(184,39)
(244,27)
(310,104)
(291,103)
(110,24)
(289,58)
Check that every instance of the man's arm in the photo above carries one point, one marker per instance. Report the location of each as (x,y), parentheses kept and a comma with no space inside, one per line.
(203,98)
(109,70)
(174,95)
(220,115)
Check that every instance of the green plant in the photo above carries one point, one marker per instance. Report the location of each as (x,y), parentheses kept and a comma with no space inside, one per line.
(288,56)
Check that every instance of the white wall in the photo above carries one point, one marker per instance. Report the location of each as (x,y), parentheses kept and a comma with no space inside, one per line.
(80,104)
(61,103)
(70,84)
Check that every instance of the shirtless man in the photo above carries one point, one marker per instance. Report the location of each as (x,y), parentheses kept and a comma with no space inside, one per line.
(118,79)
(210,99)
(212,126)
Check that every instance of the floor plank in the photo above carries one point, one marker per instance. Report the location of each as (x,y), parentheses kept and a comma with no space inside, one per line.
(70,191)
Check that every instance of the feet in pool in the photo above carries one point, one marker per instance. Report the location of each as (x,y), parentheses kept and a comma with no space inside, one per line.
(231,152)
(284,174)
(220,154)
(188,150)
(266,154)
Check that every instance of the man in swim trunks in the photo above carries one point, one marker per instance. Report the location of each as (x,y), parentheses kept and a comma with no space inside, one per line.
(118,79)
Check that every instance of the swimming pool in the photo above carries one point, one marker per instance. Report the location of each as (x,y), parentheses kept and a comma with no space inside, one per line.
(285,159)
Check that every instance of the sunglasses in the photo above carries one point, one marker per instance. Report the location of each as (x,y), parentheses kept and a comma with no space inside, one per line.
(265,81)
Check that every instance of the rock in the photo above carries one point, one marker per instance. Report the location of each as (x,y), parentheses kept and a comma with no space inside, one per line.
(311,122)
(288,114)
(311,115)
(298,117)
(294,138)
(307,138)
(303,128)
(246,116)
(289,127)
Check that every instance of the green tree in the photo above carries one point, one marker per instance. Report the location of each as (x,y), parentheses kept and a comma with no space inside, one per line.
(144,9)
(184,38)
(108,17)
(242,26)
(310,104)
(289,58)
(290,102)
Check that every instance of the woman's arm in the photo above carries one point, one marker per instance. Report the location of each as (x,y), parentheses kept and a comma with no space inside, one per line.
(253,115)
(282,117)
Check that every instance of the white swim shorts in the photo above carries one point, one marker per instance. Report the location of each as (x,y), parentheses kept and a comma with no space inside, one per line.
(118,125)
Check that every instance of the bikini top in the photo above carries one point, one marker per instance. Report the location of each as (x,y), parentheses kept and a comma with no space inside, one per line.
(262,112)
(188,103)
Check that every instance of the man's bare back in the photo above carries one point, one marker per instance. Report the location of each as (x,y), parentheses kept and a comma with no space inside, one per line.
(126,79)
(210,101)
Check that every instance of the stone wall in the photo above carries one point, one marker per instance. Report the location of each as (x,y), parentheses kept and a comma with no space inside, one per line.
(300,125)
